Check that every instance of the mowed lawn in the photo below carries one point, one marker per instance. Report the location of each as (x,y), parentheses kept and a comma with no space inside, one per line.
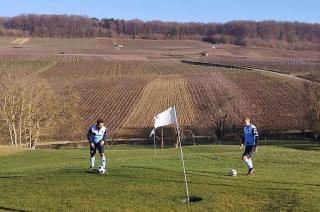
(287,178)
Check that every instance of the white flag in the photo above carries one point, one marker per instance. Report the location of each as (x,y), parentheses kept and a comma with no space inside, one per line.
(153,132)
(165,118)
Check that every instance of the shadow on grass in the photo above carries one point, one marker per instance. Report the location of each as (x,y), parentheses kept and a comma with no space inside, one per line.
(159,169)
(287,183)
(9,177)
(11,209)
(83,158)
(208,174)
(216,175)
(304,147)
(249,178)
(190,182)
(77,170)
(298,145)
(161,179)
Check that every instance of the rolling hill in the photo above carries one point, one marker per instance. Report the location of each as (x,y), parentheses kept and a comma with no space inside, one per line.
(130,85)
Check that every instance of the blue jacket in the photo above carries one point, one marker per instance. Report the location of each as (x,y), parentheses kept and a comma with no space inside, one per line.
(250,136)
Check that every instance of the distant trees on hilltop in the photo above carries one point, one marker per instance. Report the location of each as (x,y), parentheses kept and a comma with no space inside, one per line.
(289,35)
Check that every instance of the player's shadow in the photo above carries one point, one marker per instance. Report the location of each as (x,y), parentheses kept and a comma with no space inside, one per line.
(304,147)
(192,172)
(216,175)
(90,172)
(10,177)
(78,158)
(159,169)
(77,170)
(12,209)
(209,173)
(250,180)
(285,183)
(189,173)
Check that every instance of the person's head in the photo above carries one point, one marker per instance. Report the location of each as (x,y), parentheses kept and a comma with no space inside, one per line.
(247,121)
(100,123)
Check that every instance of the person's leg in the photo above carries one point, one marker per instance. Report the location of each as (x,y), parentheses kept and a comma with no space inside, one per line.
(247,161)
(102,155)
(246,157)
(250,163)
(92,156)
(251,169)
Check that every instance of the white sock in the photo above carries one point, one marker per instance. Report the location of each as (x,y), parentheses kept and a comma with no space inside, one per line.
(92,160)
(103,161)
(249,163)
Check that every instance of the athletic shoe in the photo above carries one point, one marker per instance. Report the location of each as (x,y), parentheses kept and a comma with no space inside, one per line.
(250,172)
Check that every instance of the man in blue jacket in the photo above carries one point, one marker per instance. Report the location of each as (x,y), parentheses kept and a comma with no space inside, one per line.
(97,135)
(250,139)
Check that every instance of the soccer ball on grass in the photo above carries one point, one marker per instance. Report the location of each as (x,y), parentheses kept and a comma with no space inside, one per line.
(101,170)
(233,172)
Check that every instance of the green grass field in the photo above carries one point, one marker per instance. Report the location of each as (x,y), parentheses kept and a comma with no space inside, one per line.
(287,178)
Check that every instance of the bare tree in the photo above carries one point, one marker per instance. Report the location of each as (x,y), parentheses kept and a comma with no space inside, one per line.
(221,115)
(313,91)
(69,117)
(30,109)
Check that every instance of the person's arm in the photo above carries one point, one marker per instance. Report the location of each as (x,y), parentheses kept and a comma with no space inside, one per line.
(89,133)
(256,136)
(242,142)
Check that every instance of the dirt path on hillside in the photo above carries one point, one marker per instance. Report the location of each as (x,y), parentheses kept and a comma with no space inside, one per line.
(20,41)
(292,76)
(263,71)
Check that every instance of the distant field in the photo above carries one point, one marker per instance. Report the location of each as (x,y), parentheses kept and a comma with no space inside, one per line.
(147,48)
(135,91)
(304,68)
(102,46)
(128,86)
(286,179)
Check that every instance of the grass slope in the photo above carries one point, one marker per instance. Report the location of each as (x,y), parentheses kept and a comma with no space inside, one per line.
(286,179)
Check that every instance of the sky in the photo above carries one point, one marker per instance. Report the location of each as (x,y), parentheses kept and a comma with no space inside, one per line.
(172,10)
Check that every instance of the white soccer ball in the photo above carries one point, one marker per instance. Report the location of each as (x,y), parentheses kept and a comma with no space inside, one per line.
(233,173)
(101,170)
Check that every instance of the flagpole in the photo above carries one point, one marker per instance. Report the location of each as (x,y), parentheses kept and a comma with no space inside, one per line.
(182,159)
(154,141)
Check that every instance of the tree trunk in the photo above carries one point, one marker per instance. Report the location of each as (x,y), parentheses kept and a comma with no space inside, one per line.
(10,133)
(30,138)
(14,130)
(5,114)
(20,120)
(193,140)
(30,126)
(37,135)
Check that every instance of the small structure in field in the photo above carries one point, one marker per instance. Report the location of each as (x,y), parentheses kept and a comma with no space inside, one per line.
(117,45)
(204,54)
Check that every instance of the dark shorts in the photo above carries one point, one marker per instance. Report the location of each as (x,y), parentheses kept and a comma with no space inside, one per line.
(97,146)
(248,152)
